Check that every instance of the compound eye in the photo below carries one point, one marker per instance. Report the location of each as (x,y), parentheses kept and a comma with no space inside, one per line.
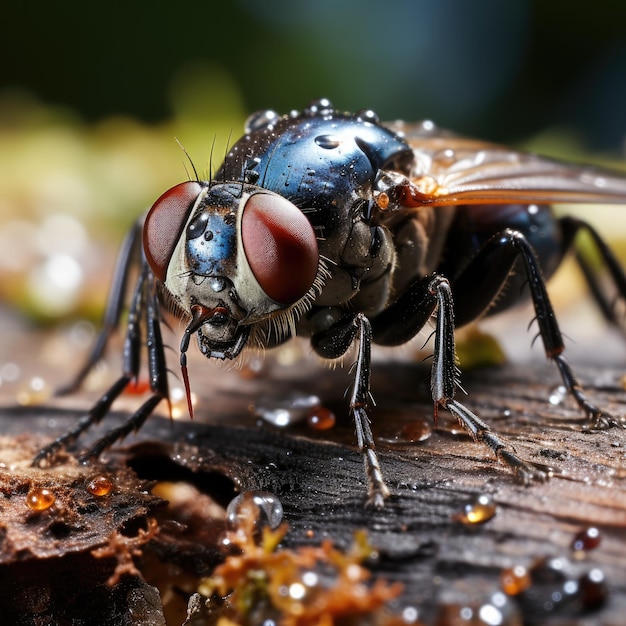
(280,246)
(164,225)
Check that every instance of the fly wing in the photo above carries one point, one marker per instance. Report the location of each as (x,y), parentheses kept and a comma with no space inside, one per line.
(452,170)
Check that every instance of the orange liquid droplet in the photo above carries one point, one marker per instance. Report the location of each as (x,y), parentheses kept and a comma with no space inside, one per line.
(413,432)
(40,499)
(514,580)
(321,418)
(99,486)
(137,387)
(479,510)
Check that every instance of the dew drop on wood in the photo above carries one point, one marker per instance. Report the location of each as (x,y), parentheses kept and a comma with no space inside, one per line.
(587,539)
(557,395)
(99,486)
(262,507)
(285,410)
(415,431)
(478,510)
(321,418)
(40,499)
(496,610)
(514,580)
(594,590)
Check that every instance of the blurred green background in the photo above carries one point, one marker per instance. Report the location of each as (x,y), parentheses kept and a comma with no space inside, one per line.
(505,68)
(92,97)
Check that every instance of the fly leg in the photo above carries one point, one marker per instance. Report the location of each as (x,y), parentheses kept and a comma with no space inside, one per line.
(332,343)
(483,278)
(144,301)
(115,304)
(425,296)
(571,226)
(444,381)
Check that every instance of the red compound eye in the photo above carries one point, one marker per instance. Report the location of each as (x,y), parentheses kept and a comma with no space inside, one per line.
(280,246)
(164,225)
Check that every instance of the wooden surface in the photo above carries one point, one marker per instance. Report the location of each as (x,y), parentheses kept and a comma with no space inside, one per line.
(319,478)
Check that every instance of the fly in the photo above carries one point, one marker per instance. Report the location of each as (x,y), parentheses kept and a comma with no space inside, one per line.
(337,227)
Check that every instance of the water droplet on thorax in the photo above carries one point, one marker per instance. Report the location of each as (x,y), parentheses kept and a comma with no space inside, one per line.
(260,120)
(328,142)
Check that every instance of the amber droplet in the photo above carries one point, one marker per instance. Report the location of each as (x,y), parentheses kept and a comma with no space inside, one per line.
(587,539)
(593,589)
(321,418)
(514,580)
(416,431)
(478,510)
(40,499)
(99,486)
(137,387)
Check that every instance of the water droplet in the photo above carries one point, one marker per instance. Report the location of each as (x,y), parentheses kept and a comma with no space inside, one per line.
(410,615)
(217,283)
(550,570)
(328,142)
(297,591)
(263,507)
(478,510)
(367,115)
(445,157)
(427,126)
(321,418)
(493,610)
(587,539)
(593,589)
(99,486)
(319,107)
(35,391)
(286,410)
(557,395)
(514,580)
(40,499)
(415,431)
(259,120)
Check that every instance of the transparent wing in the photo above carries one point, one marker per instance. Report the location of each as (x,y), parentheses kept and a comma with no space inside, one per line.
(451,170)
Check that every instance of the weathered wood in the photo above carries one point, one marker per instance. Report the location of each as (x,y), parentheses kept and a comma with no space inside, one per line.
(320,481)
